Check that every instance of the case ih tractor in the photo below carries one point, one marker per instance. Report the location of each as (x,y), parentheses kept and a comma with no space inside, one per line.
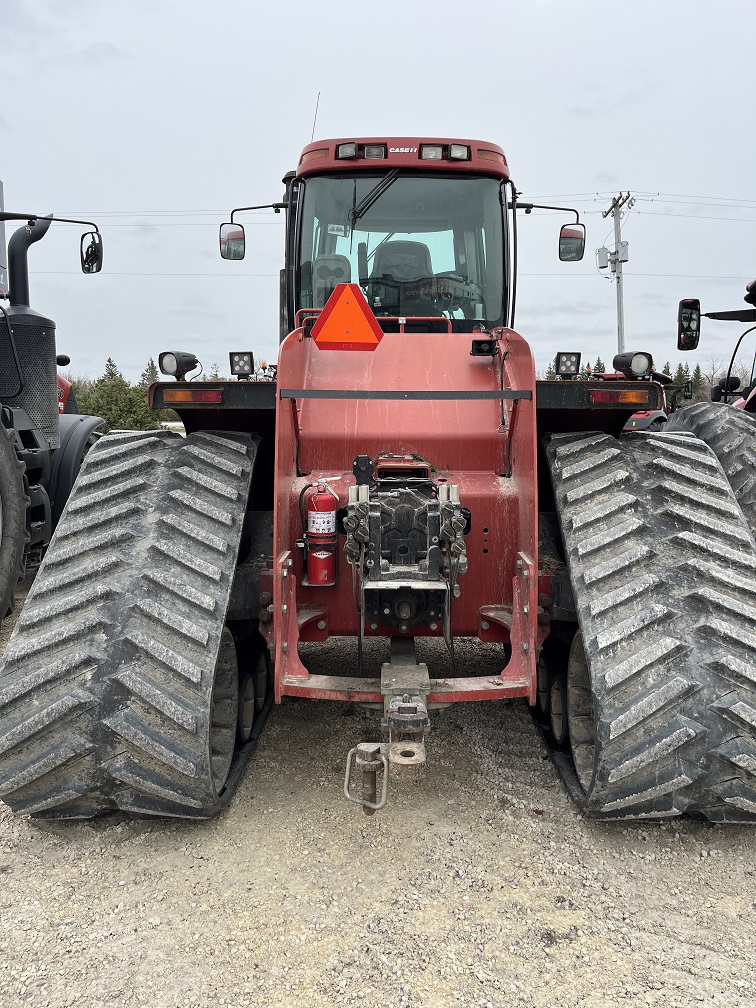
(42,435)
(404,477)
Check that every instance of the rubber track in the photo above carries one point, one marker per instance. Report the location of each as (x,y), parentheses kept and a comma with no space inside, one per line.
(731,435)
(106,683)
(13,530)
(662,567)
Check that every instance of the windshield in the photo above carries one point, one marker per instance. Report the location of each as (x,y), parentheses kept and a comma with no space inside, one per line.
(423,246)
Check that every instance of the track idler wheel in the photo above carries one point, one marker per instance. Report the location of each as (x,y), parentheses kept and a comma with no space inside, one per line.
(224,710)
(558,710)
(253,691)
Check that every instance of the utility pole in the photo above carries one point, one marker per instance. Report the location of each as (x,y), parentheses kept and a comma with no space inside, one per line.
(615,260)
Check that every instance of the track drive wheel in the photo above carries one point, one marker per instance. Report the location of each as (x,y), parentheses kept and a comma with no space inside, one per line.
(661,690)
(120,682)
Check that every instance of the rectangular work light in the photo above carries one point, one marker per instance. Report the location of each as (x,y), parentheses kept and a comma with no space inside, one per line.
(375,152)
(567,364)
(346,150)
(242,363)
(431,152)
(459,152)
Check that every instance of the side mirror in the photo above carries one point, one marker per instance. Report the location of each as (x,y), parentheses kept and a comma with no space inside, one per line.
(571,242)
(688,324)
(232,241)
(91,252)
(688,389)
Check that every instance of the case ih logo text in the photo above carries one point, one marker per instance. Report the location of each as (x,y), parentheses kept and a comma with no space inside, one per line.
(402,150)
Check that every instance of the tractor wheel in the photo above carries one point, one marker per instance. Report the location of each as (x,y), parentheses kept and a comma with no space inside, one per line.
(731,435)
(120,683)
(661,692)
(13,505)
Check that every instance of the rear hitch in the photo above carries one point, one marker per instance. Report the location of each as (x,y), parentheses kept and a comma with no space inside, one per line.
(404,684)
(367,758)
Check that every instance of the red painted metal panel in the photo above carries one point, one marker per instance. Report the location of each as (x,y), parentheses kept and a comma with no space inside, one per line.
(486,447)
(403,152)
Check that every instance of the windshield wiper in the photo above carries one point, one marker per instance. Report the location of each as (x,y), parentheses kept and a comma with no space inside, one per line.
(360,209)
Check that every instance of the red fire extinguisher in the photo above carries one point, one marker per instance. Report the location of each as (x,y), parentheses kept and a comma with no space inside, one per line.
(321,536)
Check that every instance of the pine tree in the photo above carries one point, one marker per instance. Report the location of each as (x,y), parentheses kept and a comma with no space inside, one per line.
(111,371)
(678,378)
(699,384)
(667,370)
(551,371)
(149,375)
(599,367)
(214,374)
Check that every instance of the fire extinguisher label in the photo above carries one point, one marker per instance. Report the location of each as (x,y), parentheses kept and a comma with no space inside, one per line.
(321,555)
(321,523)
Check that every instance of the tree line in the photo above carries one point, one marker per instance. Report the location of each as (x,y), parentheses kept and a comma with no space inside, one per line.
(124,406)
(702,382)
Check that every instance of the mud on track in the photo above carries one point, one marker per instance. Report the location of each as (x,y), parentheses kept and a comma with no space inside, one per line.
(480,887)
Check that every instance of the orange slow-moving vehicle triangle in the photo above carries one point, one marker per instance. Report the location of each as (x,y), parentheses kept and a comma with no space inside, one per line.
(346,322)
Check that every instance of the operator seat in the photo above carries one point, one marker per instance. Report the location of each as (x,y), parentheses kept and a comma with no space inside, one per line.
(400,264)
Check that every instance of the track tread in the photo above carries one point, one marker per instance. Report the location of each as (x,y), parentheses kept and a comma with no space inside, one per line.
(110,706)
(731,435)
(667,607)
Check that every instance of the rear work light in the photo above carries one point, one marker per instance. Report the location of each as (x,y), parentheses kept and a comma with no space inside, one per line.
(626,396)
(431,152)
(375,151)
(459,152)
(347,150)
(242,364)
(177,395)
(567,364)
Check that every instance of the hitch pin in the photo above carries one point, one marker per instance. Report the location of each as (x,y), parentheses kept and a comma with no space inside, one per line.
(369,759)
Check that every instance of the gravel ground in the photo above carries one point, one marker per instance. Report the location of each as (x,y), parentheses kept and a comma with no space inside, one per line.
(481,886)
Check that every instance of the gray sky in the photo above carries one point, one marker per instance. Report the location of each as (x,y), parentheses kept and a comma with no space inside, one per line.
(156,118)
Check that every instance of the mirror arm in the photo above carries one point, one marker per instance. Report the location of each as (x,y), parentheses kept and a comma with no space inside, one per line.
(275,207)
(528,207)
(34,217)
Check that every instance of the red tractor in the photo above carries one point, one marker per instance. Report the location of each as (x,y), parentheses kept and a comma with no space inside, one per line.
(404,477)
(43,437)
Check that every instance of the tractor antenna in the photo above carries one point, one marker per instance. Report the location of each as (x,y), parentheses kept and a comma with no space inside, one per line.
(315,118)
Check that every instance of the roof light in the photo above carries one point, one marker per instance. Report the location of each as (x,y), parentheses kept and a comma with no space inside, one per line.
(431,152)
(347,150)
(242,364)
(459,152)
(314,155)
(491,155)
(567,364)
(375,151)
(177,363)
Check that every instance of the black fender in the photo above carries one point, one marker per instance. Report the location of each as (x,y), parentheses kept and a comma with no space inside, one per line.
(75,432)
